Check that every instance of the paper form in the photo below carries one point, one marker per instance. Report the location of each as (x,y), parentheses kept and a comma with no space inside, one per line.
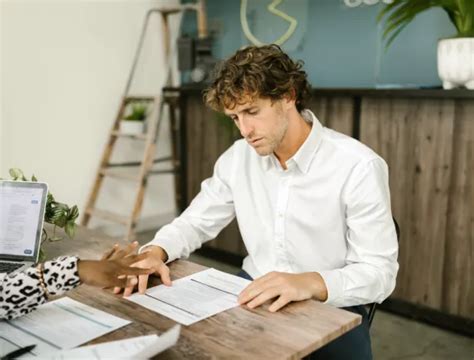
(141,347)
(195,297)
(59,324)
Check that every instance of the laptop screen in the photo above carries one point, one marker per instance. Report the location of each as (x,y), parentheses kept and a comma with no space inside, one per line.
(22,206)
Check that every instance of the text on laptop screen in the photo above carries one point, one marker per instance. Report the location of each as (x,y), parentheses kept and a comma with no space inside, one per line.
(20,208)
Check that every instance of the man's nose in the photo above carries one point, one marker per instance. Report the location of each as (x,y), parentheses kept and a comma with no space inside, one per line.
(245,128)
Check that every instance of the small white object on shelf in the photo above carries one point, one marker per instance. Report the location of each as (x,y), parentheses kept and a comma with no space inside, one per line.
(355,3)
(132,127)
(456,62)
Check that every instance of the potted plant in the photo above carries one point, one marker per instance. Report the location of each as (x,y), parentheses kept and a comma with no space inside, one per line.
(56,213)
(134,122)
(455,54)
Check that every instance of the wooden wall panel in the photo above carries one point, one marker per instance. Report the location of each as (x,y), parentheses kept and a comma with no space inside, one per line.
(415,138)
(334,112)
(458,289)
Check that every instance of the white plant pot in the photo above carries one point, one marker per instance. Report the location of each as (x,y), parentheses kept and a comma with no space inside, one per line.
(132,127)
(456,62)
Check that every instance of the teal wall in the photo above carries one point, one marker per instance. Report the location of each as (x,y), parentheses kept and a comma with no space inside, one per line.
(341,46)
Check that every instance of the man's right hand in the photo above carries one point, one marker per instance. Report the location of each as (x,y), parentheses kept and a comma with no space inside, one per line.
(154,258)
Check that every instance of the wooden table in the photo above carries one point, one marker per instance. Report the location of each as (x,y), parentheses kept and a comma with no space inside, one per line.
(293,332)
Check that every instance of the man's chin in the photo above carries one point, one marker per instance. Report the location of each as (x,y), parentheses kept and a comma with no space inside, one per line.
(263,151)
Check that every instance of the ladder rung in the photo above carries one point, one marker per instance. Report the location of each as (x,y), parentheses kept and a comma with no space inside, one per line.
(131,136)
(158,172)
(176,9)
(158,160)
(118,175)
(138,163)
(108,215)
(139,98)
(124,164)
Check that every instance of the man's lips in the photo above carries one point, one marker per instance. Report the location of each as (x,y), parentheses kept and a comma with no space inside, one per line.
(253,142)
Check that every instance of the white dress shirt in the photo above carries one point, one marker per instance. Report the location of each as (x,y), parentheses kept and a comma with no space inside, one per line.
(329,212)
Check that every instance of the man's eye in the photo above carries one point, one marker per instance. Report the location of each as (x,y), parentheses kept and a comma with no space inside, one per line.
(255,112)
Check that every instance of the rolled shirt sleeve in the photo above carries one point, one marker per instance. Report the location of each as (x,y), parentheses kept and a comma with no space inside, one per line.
(372,246)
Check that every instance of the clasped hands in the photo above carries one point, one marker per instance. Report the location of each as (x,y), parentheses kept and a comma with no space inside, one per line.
(280,287)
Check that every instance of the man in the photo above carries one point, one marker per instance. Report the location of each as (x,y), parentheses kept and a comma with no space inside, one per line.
(313,205)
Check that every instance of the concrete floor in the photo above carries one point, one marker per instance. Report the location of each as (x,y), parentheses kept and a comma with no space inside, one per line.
(395,337)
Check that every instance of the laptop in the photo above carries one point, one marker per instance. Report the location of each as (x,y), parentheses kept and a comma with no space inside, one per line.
(22,207)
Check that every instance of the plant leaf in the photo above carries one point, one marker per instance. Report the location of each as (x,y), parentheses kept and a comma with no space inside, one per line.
(70,229)
(400,13)
(17,174)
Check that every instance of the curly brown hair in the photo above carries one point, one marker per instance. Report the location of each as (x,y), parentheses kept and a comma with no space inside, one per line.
(257,71)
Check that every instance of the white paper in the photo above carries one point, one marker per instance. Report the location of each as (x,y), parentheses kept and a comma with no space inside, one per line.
(141,347)
(59,324)
(195,297)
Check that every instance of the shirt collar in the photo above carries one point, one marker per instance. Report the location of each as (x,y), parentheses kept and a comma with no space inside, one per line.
(307,150)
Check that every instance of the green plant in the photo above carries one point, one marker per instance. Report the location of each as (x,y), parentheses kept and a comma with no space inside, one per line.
(56,213)
(402,12)
(138,112)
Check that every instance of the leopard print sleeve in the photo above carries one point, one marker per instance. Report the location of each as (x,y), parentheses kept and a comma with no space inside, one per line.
(21,292)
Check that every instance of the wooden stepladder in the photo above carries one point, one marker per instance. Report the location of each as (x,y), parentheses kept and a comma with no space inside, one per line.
(144,167)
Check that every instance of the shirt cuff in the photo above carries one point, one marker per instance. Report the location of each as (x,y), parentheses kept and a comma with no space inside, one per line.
(334,285)
(167,245)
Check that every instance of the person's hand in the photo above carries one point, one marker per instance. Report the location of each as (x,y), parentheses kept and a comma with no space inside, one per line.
(113,268)
(154,259)
(285,287)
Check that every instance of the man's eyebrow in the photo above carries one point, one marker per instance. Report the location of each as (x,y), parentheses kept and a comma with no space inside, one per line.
(244,109)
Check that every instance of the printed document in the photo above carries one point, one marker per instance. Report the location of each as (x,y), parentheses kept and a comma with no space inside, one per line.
(141,347)
(59,324)
(195,297)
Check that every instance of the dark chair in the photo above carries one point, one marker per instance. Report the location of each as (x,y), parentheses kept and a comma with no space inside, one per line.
(373,307)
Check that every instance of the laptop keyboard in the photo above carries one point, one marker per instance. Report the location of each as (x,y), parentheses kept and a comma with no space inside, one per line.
(9,267)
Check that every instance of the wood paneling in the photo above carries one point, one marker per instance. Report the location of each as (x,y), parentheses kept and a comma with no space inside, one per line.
(458,289)
(334,112)
(415,138)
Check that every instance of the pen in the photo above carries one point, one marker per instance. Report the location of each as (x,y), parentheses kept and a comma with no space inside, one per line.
(18,352)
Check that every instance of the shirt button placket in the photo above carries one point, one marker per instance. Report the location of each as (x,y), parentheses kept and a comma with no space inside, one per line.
(282,202)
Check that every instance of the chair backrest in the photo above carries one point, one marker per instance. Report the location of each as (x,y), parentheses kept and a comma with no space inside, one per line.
(373,306)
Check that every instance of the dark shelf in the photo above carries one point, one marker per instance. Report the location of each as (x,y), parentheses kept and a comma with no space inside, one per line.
(363,92)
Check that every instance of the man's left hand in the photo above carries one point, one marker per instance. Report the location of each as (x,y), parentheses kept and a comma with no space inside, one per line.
(285,287)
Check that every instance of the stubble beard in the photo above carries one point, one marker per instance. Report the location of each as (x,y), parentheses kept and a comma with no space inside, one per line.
(274,141)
